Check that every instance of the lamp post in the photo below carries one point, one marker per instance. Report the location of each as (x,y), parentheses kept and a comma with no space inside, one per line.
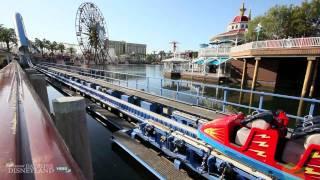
(258,30)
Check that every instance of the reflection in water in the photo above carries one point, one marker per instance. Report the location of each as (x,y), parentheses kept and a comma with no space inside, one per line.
(107,164)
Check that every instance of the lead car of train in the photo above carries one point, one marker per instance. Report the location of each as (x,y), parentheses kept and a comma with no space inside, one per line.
(262,142)
(239,147)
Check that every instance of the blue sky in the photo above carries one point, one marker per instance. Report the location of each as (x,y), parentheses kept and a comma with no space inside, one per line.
(153,22)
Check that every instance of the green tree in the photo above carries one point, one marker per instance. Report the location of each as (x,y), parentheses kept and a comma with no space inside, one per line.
(53,47)
(307,18)
(61,47)
(71,50)
(7,35)
(46,44)
(150,58)
(162,54)
(287,21)
(39,44)
(94,40)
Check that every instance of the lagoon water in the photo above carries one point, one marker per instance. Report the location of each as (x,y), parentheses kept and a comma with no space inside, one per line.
(107,163)
(189,87)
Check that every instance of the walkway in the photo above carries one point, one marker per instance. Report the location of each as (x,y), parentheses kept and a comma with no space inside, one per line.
(194,110)
(160,165)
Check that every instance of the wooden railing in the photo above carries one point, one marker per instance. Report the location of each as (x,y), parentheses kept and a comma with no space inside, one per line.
(283,43)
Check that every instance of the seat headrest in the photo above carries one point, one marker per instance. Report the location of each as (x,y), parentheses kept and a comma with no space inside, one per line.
(312,139)
(261,124)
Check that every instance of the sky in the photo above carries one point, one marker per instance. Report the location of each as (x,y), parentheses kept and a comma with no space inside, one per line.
(151,22)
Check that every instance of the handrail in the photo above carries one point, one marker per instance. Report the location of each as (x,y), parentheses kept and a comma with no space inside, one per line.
(179,91)
(282,43)
(29,140)
(214,51)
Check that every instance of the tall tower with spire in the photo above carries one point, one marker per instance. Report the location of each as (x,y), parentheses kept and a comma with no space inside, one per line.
(236,29)
(242,10)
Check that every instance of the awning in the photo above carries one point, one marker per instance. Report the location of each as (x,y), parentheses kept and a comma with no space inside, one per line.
(175,60)
(199,61)
(211,61)
(218,61)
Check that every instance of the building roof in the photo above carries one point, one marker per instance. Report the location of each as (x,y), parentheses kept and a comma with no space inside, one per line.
(229,33)
(175,60)
(239,19)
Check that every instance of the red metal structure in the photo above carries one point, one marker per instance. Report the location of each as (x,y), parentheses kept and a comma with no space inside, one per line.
(30,145)
(261,148)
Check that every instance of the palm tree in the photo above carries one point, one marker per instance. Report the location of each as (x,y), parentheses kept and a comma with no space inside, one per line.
(162,54)
(46,44)
(53,47)
(71,50)
(39,44)
(8,36)
(94,39)
(61,47)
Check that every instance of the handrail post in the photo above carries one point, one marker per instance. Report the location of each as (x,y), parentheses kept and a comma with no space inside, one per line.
(225,92)
(127,80)
(198,91)
(137,83)
(311,109)
(161,87)
(147,84)
(261,102)
(177,91)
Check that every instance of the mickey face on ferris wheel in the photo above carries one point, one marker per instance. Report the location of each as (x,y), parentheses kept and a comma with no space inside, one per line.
(101,32)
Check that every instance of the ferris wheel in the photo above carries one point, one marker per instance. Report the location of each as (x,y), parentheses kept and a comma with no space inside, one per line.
(92,33)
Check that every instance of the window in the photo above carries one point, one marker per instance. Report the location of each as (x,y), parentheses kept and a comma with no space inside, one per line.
(236,26)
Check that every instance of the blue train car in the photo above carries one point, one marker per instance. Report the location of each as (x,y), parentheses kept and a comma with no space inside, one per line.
(150,106)
(113,93)
(187,119)
(127,98)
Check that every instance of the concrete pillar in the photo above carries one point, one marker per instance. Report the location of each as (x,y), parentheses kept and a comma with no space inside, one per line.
(255,73)
(8,58)
(40,86)
(244,73)
(306,81)
(254,79)
(30,71)
(243,78)
(70,120)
